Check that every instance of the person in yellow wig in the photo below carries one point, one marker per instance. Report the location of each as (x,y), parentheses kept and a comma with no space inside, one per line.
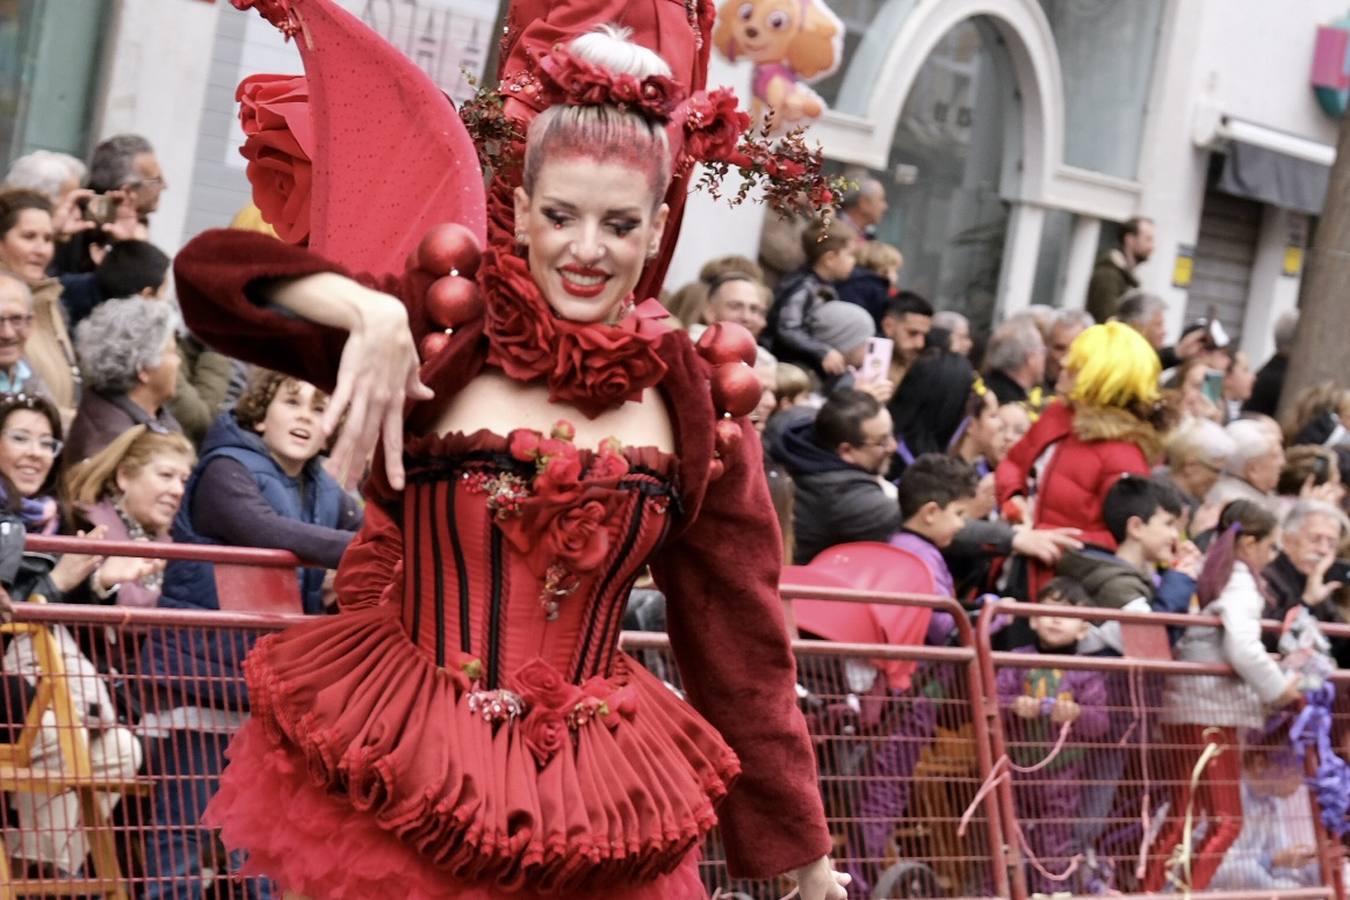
(1109,425)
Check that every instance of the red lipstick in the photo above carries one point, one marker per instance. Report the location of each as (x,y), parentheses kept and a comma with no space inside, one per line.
(596,280)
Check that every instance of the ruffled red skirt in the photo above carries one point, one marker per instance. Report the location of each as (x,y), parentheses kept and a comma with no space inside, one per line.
(366,772)
(315,844)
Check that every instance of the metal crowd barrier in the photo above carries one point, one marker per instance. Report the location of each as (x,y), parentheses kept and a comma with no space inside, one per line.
(1100,804)
(107,756)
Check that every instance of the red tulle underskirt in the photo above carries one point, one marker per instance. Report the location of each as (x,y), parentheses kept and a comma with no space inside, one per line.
(318,845)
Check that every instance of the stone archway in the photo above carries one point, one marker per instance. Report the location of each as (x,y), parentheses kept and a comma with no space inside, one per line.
(905,32)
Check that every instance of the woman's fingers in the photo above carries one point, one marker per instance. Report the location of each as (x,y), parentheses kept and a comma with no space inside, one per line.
(342,392)
(393,446)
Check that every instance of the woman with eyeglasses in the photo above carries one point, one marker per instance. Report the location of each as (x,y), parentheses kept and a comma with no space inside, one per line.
(30,443)
(27,242)
(50,842)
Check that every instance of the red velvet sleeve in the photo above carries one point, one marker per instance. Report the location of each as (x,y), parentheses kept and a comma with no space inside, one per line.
(725,621)
(218,275)
(372,568)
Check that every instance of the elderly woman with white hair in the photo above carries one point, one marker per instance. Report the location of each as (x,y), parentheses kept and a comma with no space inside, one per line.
(957,328)
(1197,453)
(129,356)
(1253,468)
(57,176)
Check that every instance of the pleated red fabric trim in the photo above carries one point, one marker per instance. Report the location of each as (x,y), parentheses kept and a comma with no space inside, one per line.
(376,724)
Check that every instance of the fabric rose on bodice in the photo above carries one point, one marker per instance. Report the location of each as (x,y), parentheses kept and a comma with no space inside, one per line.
(278,144)
(561,527)
(549,699)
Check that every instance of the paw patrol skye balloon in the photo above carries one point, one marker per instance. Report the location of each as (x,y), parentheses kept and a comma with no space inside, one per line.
(791,42)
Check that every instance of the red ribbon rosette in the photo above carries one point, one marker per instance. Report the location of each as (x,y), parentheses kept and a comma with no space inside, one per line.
(591,365)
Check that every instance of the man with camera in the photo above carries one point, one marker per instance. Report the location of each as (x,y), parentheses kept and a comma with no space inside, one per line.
(126,183)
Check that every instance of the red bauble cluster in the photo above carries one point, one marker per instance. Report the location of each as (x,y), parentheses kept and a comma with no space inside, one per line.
(451,252)
(731,351)
(736,389)
(449,249)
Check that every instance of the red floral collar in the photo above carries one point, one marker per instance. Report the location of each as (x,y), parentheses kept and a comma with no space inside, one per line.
(592,366)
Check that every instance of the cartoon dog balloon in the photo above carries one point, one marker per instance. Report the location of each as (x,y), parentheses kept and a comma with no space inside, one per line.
(790,42)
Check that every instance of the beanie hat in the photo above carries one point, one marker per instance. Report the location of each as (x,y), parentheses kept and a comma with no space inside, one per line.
(844,326)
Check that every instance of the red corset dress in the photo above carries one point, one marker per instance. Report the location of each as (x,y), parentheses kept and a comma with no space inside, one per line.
(486,729)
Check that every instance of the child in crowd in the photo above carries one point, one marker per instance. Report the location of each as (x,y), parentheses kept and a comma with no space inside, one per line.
(794,387)
(1201,712)
(934,492)
(1143,516)
(1039,702)
(875,279)
(794,319)
(932,498)
(261,483)
(1266,856)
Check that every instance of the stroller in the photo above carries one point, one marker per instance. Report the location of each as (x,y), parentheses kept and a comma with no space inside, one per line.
(872,720)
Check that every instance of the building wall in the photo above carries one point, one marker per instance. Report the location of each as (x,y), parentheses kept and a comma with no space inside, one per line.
(1251,60)
(159,56)
(174,66)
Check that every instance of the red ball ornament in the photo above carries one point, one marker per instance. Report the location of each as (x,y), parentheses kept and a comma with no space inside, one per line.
(449,247)
(728,436)
(727,342)
(736,389)
(433,343)
(452,301)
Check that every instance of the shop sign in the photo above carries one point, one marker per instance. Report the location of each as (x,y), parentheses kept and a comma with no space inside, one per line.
(1295,240)
(1184,266)
(1331,67)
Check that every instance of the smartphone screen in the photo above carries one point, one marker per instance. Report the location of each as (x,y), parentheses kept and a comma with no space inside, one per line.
(876,363)
(1213,386)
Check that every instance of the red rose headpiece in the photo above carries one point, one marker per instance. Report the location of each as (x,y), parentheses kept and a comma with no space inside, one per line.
(566,78)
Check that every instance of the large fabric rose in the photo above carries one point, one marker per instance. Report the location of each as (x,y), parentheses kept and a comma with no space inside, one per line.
(713,125)
(539,684)
(597,368)
(543,731)
(578,538)
(566,526)
(521,334)
(558,474)
(549,697)
(278,144)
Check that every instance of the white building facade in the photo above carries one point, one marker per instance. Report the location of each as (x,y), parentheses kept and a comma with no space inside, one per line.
(1012,135)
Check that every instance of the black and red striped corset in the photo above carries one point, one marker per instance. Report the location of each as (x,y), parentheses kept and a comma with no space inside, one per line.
(524,547)
(487,717)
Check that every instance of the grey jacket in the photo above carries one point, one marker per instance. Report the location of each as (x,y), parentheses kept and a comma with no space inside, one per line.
(1217,699)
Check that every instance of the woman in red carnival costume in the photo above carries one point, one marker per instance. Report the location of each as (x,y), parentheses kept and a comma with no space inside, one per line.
(1104,425)
(466,728)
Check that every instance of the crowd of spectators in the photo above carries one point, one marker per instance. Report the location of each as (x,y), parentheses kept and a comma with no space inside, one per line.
(1068,461)
(1107,466)
(118,424)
